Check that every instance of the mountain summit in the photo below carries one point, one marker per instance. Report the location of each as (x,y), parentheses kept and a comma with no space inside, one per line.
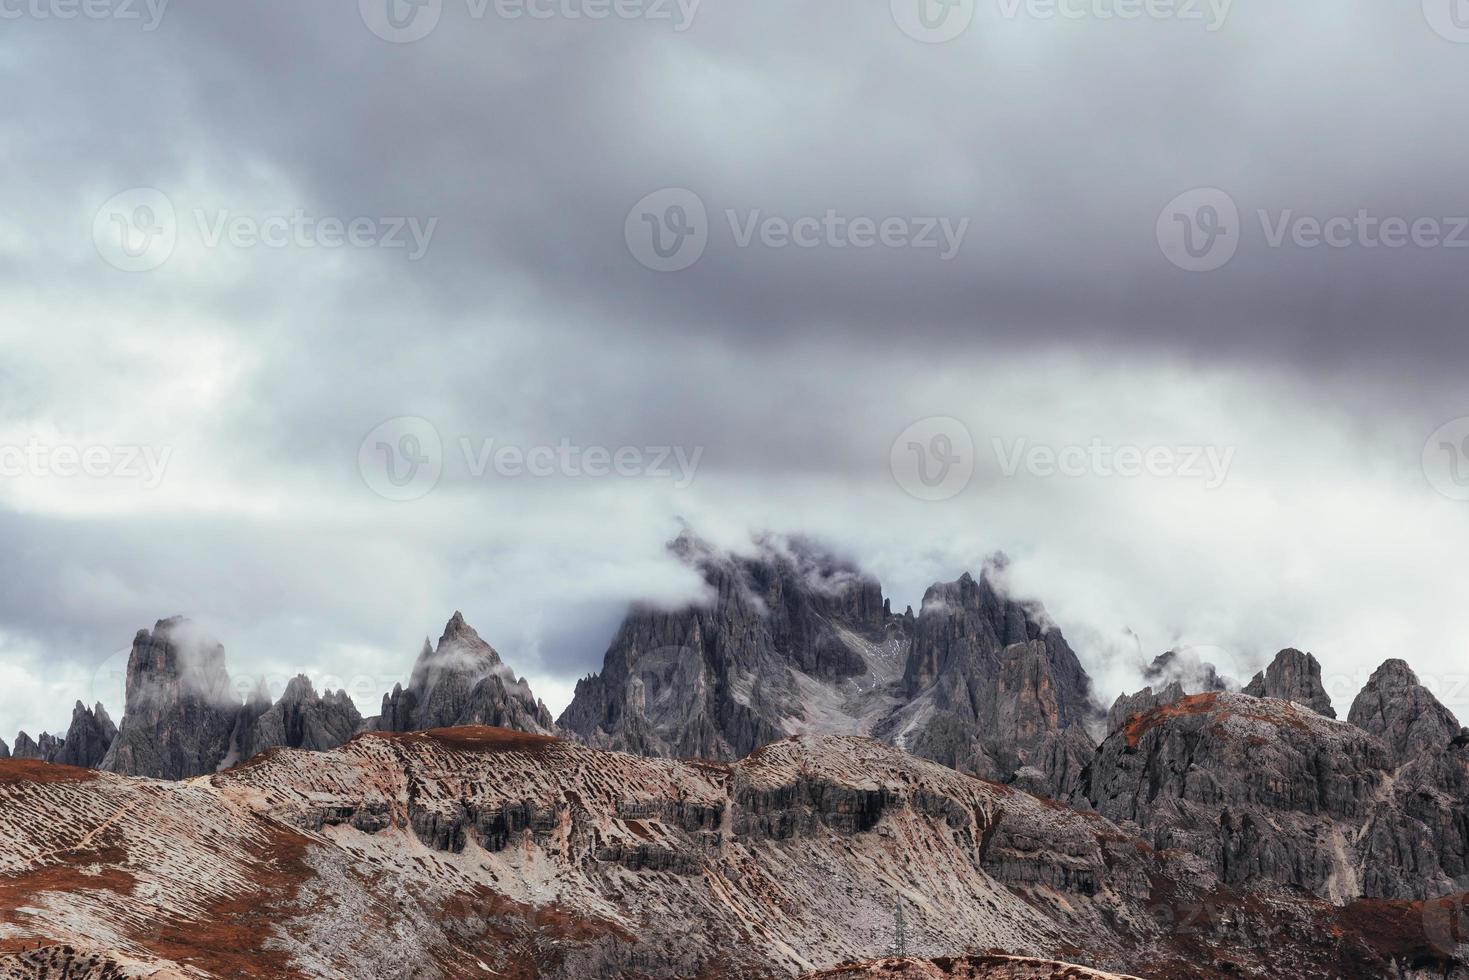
(462,681)
(793,639)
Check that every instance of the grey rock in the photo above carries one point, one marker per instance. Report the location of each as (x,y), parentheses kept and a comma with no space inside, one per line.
(28,748)
(1396,708)
(1268,791)
(4,749)
(302,719)
(794,639)
(181,708)
(989,681)
(720,678)
(1129,706)
(87,740)
(462,681)
(1293,676)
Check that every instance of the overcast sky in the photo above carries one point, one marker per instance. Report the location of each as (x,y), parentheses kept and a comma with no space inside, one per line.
(927,283)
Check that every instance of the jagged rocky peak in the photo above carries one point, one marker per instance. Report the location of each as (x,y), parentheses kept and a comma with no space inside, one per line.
(1171,677)
(1192,672)
(4,749)
(87,740)
(1293,676)
(992,685)
(788,637)
(37,749)
(462,681)
(1398,709)
(792,639)
(181,708)
(301,719)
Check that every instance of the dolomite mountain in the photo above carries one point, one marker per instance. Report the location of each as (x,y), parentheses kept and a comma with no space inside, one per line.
(479,852)
(1209,833)
(462,681)
(795,640)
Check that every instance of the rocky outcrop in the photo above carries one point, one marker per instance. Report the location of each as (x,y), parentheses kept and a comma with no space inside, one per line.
(29,748)
(87,740)
(462,681)
(988,681)
(1265,790)
(792,639)
(181,708)
(1396,708)
(4,749)
(301,719)
(789,639)
(1129,706)
(401,855)
(1293,676)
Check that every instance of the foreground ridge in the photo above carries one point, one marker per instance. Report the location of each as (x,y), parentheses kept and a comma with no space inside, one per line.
(474,852)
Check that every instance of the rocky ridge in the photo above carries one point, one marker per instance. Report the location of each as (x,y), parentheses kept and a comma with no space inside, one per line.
(480,852)
(793,639)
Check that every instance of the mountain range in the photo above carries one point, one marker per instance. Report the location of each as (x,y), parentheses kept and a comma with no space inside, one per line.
(752,785)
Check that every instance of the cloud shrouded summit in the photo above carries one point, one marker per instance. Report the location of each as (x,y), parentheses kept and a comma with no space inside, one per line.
(227,392)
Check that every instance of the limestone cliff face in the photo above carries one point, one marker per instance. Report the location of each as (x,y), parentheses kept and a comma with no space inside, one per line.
(988,681)
(412,855)
(181,708)
(87,740)
(1293,676)
(1268,790)
(793,639)
(462,681)
(787,637)
(301,719)
(1396,708)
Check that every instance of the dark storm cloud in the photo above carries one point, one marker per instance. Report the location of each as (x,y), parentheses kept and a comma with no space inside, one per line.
(1059,142)
(529,320)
